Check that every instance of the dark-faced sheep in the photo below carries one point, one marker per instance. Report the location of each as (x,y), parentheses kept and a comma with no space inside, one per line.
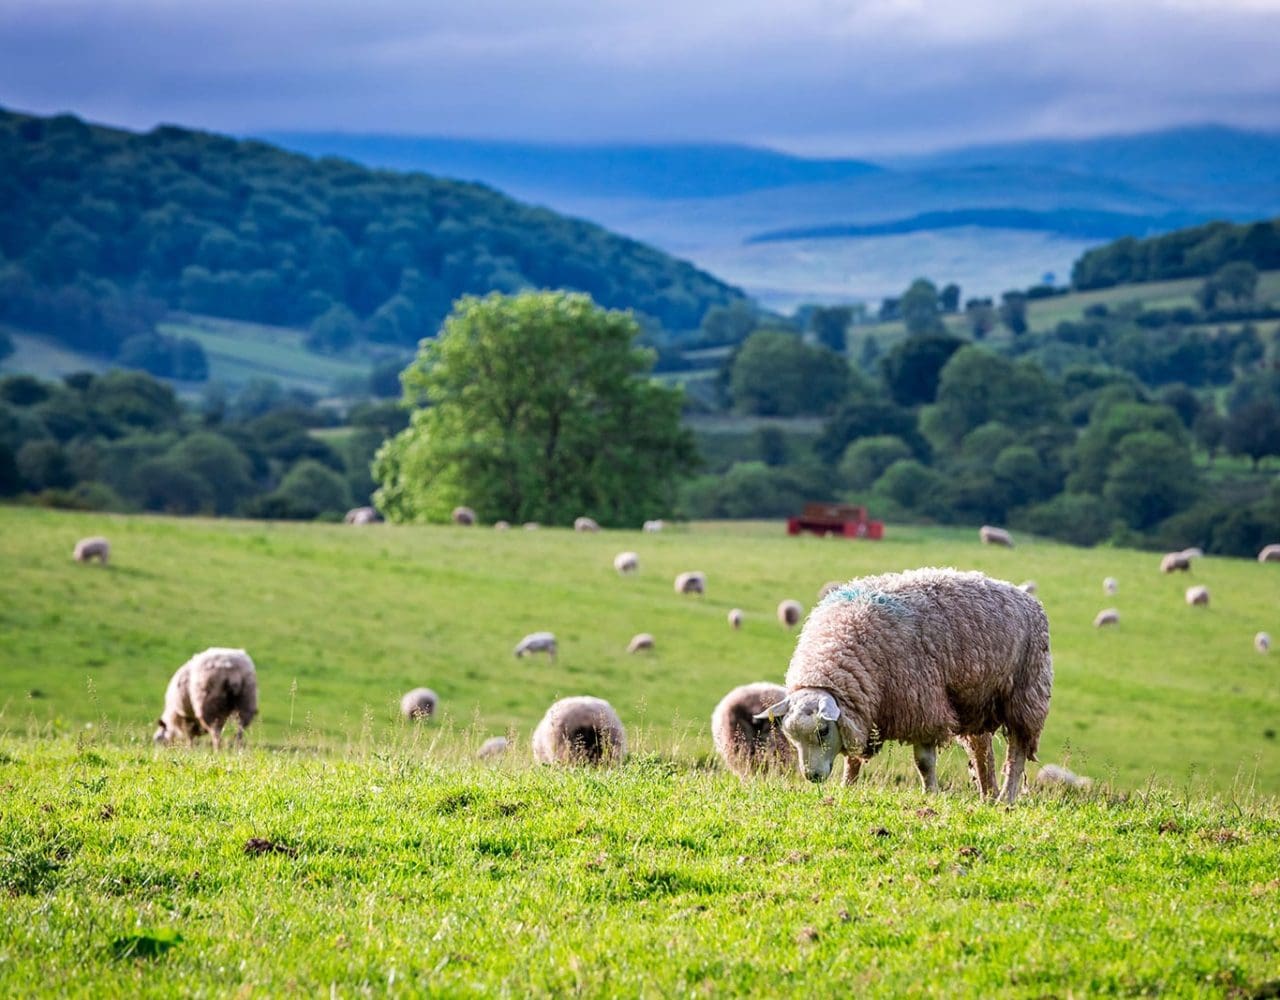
(790,612)
(88,549)
(735,617)
(1107,616)
(640,641)
(361,515)
(580,730)
(692,582)
(991,535)
(419,704)
(205,692)
(1198,596)
(464,516)
(626,562)
(1178,562)
(537,642)
(745,742)
(585,524)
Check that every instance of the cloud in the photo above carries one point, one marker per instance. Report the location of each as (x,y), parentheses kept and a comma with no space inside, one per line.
(850,76)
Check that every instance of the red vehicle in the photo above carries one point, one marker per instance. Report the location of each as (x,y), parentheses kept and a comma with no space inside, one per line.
(836,519)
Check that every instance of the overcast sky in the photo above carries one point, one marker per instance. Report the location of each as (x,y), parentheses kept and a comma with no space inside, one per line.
(817,76)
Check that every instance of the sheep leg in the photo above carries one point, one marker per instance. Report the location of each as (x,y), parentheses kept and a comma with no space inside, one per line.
(982,762)
(1015,762)
(215,733)
(927,765)
(852,765)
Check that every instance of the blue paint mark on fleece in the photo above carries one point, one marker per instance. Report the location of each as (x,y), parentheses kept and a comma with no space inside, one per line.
(851,594)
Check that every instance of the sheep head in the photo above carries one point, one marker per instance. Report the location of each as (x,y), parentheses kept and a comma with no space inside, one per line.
(814,724)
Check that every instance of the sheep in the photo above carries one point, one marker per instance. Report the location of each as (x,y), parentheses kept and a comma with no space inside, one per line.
(626,562)
(464,516)
(1028,586)
(1175,562)
(654,526)
(362,515)
(579,730)
(920,657)
(735,617)
(692,582)
(419,704)
(585,524)
(1198,596)
(1195,552)
(1107,616)
(827,588)
(1262,642)
(639,641)
(537,642)
(88,549)
(493,747)
(1110,585)
(744,742)
(1269,553)
(790,612)
(205,692)
(1055,774)
(501,525)
(531,526)
(990,535)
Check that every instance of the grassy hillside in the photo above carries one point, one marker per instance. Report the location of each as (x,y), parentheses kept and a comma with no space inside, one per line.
(341,621)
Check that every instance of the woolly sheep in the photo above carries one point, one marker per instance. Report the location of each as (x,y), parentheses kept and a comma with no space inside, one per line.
(920,657)
(626,562)
(464,516)
(493,747)
(579,730)
(1028,586)
(692,582)
(1269,553)
(531,525)
(537,642)
(1262,642)
(420,703)
(990,535)
(790,612)
(735,617)
(205,692)
(1055,774)
(827,588)
(1198,596)
(88,549)
(652,526)
(585,524)
(361,515)
(1175,561)
(501,526)
(1107,616)
(639,641)
(1110,585)
(744,742)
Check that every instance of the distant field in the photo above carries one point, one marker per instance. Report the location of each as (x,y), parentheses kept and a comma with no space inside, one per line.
(37,355)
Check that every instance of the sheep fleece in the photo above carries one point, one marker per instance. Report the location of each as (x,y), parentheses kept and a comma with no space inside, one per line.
(929,654)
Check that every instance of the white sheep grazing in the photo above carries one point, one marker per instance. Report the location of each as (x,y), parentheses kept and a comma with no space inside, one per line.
(654,526)
(1107,616)
(501,525)
(1198,596)
(1110,585)
(626,562)
(493,747)
(585,524)
(1055,774)
(531,526)
(205,692)
(419,704)
(88,549)
(790,612)
(361,515)
(735,617)
(990,535)
(692,582)
(464,516)
(920,657)
(579,730)
(1262,642)
(744,742)
(639,641)
(1175,562)
(827,588)
(1269,553)
(537,642)
(1028,586)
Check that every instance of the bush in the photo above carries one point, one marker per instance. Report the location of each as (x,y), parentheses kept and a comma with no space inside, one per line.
(1078,518)
(866,459)
(911,485)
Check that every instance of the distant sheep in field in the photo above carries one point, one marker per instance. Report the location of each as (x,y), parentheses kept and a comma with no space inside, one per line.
(735,617)
(579,730)
(654,526)
(990,535)
(642,640)
(537,642)
(419,704)
(501,526)
(790,612)
(1178,562)
(464,516)
(1269,553)
(205,692)
(88,549)
(920,657)
(361,515)
(692,582)
(1055,774)
(531,526)
(1108,616)
(745,743)
(493,747)
(1262,642)
(1198,596)
(585,524)
(1027,586)
(827,588)
(626,562)
(1110,585)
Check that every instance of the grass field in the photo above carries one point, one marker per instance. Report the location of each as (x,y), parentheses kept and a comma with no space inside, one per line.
(348,853)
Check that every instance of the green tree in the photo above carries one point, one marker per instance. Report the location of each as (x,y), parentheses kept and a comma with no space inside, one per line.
(536,408)
(1013,312)
(920,309)
(982,317)
(775,373)
(1253,430)
(949,298)
(977,386)
(217,461)
(911,485)
(310,485)
(1151,477)
(912,367)
(830,324)
(866,459)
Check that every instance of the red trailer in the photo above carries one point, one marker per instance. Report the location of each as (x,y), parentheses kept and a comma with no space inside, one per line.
(835,519)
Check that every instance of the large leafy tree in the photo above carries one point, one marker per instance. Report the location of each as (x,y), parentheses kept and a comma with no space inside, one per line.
(534,407)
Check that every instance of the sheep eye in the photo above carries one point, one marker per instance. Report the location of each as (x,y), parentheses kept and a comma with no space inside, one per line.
(824,731)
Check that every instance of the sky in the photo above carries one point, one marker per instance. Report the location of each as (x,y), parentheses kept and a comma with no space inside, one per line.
(820,77)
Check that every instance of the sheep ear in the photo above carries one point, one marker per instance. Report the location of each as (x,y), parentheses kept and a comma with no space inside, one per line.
(829,710)
(775,711)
